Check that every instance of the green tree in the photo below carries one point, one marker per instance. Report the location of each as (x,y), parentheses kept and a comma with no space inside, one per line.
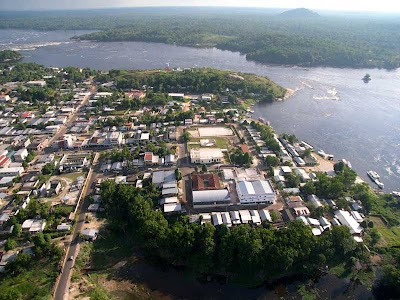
(186,136)
(17,230)
(204,169)
(11,244)
(272,161)
(48,168)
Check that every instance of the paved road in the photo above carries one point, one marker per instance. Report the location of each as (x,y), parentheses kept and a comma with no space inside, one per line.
(73,249)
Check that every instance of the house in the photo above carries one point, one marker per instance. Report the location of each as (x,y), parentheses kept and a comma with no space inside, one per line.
(235,217)
(170,160)
(5,161)
(11,172)
(206,155)
(314,200)
(20,155)
(33,225)
(255,191)
(89,234)
(4,98)
(265,215)
(63,227)
(163,177)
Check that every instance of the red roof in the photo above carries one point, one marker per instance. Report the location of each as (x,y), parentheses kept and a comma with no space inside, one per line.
(203,182)
(26,114)
(148,156)
(3,160)
(244,148)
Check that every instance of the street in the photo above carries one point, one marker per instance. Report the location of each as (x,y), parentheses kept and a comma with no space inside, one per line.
(63,283)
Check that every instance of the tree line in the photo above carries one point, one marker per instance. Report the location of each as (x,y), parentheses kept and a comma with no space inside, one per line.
(255,253)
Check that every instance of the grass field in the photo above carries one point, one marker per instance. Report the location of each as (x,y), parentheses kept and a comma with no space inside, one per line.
(390,235)
(73,176)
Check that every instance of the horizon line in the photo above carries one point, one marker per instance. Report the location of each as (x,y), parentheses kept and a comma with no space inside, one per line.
(198,6)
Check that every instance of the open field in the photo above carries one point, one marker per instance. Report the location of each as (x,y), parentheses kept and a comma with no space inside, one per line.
(220,142)
(390,235)
(73,176)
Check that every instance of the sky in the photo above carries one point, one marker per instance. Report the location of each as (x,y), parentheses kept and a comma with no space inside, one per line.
(345,5)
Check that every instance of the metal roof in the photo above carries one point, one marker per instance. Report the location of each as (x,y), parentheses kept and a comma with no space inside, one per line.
(211,196)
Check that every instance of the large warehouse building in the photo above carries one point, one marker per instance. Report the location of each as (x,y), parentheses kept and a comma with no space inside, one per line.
(255,191)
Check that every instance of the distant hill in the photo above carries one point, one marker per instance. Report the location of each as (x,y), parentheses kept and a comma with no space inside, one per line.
(300,13)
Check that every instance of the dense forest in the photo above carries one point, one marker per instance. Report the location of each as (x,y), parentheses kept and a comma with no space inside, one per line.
(202,80)
(251,254)
(263,35)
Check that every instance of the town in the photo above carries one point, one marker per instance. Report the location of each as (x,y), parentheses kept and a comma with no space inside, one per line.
(66,134)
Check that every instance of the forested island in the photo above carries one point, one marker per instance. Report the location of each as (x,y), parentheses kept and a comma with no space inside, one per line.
(298,37)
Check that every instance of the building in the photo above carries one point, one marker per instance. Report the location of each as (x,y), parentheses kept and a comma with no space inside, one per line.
(163,177)
(314,200)
(89,234)
(115,138)
(73,162)
(202,182)
(10,172)
(211,198)
(256,191)
(206,155)
(4,98)
(347,220)
(33,225)
(40,83)
(20,155)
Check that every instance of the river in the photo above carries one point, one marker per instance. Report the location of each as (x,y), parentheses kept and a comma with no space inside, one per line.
(331,109)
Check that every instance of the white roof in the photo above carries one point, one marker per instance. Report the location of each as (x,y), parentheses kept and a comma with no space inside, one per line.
(313,221)
(304,219)
(217,219)
(206,153)
(245,216)
(226,218)
(168,200)
(255,216)
(347,220)
(265,215)
(211,196)
(228,174)
(256,187)
(316,231)
(235,217)
(170,207)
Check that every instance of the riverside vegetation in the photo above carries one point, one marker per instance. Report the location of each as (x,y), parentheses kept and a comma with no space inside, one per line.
(264,35)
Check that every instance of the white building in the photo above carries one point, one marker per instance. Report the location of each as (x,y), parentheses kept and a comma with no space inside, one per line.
(9,172)
(115,138)
(347,220)
(4,98)
(211,198)
(20,155)
(206,155)
(256,191)
(40,83)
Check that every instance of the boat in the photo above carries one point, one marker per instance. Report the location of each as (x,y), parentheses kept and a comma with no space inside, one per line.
(376,179)
(262,120)
(395,194)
